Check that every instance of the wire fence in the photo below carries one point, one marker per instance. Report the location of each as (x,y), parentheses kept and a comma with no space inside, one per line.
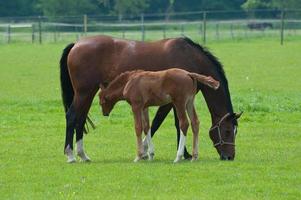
(204,25)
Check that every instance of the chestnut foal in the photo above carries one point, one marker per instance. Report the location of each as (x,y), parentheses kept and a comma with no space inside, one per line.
(142,89)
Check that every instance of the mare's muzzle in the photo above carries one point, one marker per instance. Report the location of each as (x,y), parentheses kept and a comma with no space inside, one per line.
(226,157)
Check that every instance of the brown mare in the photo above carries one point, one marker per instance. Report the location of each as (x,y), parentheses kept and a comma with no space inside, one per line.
(142,89)
(98,60)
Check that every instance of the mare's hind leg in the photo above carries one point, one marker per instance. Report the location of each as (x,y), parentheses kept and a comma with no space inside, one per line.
(149,151)
(70,125)
(195,129)
(83,106)
(183,121)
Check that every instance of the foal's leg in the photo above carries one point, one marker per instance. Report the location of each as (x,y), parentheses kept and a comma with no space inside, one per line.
(181,113)
(137,111)
(195,129)
(148,138)
(159,118)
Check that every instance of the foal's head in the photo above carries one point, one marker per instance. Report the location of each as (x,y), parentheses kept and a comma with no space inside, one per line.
(106,103)
(109,96)
(223,136)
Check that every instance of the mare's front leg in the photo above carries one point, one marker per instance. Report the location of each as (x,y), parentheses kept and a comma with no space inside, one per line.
(137,112)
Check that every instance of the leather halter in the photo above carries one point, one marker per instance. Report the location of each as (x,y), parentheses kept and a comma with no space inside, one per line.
(221,141)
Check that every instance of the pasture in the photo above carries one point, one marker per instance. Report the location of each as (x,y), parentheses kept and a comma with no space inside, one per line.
(264,80)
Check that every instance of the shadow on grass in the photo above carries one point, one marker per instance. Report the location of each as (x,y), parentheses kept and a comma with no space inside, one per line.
(157,161)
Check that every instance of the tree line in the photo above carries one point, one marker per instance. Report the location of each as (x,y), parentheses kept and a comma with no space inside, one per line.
(132,7)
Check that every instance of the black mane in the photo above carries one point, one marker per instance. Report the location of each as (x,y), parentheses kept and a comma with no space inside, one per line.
(219,69)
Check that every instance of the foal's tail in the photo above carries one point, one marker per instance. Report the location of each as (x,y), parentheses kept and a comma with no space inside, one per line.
(66,85)
(207,80)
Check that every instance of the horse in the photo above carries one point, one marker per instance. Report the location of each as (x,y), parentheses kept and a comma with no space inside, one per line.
(142,89)
(96,60)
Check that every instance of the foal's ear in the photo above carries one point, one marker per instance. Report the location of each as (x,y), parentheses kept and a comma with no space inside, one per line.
(237,115)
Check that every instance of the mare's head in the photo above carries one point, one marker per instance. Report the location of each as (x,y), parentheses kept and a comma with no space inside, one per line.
(223,135)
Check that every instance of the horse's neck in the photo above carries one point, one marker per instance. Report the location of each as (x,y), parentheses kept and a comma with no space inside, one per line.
(116,89)
(217,102)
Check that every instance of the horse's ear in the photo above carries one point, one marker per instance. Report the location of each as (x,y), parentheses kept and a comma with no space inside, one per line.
(237,115)
(101,86)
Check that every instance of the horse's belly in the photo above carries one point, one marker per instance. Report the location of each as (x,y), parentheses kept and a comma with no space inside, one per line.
(159,100)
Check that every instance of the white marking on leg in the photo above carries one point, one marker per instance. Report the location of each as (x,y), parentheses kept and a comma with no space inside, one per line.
(151,149)
(180,151)
(70,156)
(145,148)
(80,151)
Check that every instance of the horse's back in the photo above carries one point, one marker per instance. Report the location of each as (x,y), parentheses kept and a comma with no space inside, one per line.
(99,59)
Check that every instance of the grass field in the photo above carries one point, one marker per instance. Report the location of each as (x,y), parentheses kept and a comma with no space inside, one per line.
(264,80)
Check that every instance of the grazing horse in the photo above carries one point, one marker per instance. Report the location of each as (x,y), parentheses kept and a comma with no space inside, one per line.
(98,60)
(142,89)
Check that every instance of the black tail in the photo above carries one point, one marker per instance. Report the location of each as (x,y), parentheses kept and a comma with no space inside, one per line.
(66,86)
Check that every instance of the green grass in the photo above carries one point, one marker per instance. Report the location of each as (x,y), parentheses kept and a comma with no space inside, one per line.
(264,80)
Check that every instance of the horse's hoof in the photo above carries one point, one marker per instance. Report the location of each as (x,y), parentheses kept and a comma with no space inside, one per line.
(177,160)
(137,159)
(86,160)
(144,157)
(151,156)
(71,160)
(84,157)
(187,156)
(194,159)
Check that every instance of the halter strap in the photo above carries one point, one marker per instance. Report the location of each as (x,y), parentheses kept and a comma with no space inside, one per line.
(221,141)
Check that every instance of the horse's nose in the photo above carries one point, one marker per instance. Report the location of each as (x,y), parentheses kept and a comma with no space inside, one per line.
(226,157)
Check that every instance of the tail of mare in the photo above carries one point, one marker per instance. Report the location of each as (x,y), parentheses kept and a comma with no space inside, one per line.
(207,80)
(66,85)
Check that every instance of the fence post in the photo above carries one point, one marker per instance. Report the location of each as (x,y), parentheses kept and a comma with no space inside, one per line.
(55,39)
(142,27)
(32,33)
(182,29)
(8,33)
(40,30)
(231,31)
(204,26)
(85,24)
(217,30)
(164,30)
(282,27)
(123,32)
